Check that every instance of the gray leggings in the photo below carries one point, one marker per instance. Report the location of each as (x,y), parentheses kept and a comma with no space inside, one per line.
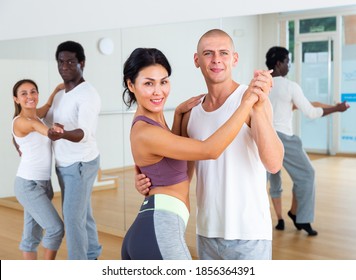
(158,231)
(299,167)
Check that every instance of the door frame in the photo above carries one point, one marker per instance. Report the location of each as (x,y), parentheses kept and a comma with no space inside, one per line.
(333,97)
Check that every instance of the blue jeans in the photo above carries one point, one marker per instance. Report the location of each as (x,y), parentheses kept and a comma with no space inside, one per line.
(222,249)
(39,215)
(76,182)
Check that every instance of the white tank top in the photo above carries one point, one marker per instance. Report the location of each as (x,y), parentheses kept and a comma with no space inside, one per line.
(36,159)
(232,199)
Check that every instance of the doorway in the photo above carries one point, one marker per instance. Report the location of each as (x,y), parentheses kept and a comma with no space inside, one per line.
(315,74)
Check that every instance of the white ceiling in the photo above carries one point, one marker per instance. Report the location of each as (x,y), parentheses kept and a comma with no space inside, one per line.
(33,18)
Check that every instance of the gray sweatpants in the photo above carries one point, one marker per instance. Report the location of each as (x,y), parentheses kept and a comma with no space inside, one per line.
(299,167)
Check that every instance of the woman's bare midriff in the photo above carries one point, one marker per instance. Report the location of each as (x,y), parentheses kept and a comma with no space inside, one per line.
(180,191)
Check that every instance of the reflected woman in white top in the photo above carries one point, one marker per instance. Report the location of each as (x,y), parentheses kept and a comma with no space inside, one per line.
(33,188)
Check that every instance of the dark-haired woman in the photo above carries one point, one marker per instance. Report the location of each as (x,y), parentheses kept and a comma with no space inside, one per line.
(158,231)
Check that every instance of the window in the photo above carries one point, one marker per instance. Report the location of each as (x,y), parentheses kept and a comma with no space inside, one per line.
(315,25)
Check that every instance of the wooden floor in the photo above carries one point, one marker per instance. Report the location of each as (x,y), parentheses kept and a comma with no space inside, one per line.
(114,211)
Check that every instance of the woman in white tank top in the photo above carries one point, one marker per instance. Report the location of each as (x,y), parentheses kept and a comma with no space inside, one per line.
(33,186)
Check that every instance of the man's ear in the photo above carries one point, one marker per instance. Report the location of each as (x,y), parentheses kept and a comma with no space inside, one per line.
(196,60)
(278,64)
(235,59)
(81,64)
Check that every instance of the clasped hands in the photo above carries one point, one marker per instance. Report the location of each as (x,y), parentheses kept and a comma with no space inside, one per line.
(56,132)
(260,86)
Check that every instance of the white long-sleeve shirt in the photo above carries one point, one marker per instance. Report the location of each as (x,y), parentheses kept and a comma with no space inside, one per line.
(78,108)
(283,95)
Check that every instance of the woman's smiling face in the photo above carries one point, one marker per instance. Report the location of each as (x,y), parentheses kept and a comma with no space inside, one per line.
(151,87)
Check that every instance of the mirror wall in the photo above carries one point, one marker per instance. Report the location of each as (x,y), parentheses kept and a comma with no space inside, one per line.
(34,58)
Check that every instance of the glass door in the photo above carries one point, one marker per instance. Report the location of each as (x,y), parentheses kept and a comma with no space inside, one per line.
(315,58)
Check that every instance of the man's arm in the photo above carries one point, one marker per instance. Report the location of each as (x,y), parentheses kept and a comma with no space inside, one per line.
(142,182)
(320,105)
(339,107)
(327,108)
(270,147)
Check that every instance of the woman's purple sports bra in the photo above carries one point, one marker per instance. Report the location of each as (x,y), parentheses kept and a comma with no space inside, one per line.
(167,171)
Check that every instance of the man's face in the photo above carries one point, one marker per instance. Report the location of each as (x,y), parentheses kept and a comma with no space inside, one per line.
(69,67)
(284,66)
(216,58)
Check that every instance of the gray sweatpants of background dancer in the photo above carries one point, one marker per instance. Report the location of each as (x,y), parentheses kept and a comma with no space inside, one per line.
(299,167)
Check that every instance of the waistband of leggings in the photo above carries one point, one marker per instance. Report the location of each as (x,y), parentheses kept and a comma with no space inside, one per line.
(168,203)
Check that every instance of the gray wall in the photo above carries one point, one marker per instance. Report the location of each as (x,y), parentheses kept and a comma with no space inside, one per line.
(34,58)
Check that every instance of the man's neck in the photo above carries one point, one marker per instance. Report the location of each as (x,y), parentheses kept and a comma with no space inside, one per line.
(276,73)
(72,84)
(217,95)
